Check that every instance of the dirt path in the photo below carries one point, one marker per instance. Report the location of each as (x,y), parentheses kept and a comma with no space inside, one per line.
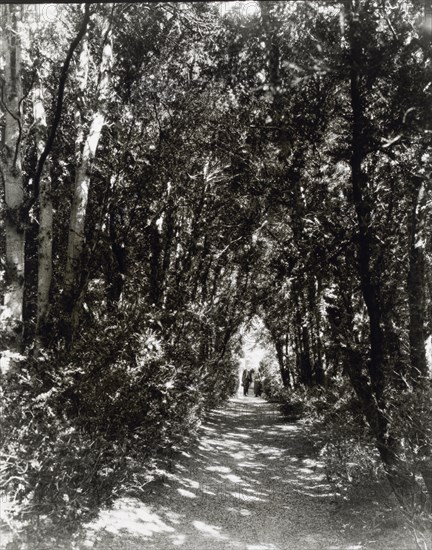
(253,484)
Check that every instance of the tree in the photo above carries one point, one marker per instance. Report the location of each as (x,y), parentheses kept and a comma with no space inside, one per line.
(88,141)
(12,176)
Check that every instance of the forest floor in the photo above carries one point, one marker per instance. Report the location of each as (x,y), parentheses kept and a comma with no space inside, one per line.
(253,482)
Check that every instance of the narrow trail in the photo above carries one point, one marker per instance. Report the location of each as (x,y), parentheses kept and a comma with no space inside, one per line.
(252,484)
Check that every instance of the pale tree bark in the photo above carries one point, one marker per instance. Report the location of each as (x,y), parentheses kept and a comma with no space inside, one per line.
(73,253)
(44,141)
(12,179)
(45,218)
(85,158)
(416,283)
(428,20)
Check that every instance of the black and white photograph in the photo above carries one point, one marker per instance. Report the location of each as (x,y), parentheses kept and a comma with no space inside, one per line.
(216,275)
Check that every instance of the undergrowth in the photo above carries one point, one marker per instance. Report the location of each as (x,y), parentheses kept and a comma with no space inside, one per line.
(80,430)
(337,426)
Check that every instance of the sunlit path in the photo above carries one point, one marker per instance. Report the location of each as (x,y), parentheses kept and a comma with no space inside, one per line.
(252,484)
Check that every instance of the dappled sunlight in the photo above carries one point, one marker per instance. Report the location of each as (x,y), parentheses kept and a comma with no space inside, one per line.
(242,436)
(282,428)
(248,467)
(310,462)
(273,452)
(173,517)
(193,484)
(241,511)
(219,469)
(233,478)
(243,496)
(256,422)
(256,493)
(185,493)
(131,516)
(238,456)
(209,530)
(256,465)
(305,470)
(178,540)
(208,429)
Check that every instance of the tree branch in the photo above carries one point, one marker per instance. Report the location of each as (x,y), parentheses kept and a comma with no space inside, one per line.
(59,105)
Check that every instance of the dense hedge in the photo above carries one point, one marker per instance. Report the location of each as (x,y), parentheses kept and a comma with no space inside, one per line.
(78,429)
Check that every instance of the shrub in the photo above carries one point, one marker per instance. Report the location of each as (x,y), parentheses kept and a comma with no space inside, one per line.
(72,432)
(270,387)
(83,426)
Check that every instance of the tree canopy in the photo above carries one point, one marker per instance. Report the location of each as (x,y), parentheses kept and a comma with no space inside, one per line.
(172,171)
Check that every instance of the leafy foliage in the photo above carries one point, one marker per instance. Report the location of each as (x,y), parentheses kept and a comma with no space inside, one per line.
(276,166)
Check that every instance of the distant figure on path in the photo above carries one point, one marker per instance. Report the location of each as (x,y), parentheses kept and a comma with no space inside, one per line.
(258,385)
(246,380)
(252,375)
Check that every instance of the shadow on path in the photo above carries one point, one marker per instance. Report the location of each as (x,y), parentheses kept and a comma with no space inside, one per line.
(252,484)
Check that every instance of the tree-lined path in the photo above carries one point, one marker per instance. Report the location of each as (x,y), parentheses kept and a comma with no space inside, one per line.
(253,483)
(172,176)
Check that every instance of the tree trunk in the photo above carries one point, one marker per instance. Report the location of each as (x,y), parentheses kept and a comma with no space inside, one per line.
(401,479)
(11,172)
(118,265)
(284,371)
(368,279)
(314,327)
(76,238)
(304,364)
(168,245)
(45,221)
(428,21)
(416,281)
(305,359)
(79,205)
